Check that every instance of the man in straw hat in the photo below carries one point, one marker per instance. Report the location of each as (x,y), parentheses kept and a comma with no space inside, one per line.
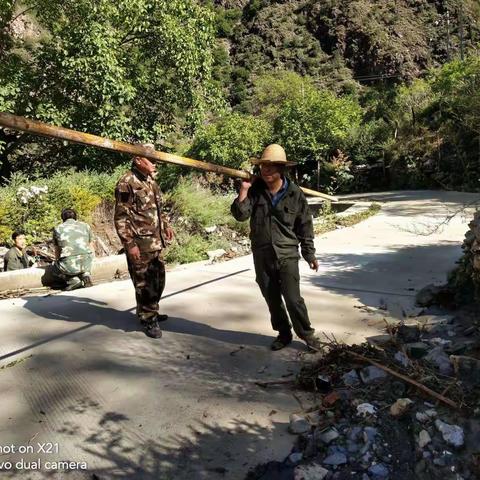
(144,232)
(279,221)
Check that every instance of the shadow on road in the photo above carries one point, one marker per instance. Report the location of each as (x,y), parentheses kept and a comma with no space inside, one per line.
(396,274)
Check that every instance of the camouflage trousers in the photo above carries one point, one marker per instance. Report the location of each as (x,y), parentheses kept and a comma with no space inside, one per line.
(71,270)
(148,277)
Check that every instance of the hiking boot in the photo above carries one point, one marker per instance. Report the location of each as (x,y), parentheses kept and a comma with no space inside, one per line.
(281,341)
(313,343)
(152,329)
(161,317)
(73,284)
(87,281)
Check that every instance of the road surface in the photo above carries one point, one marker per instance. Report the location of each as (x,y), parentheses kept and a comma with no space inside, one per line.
(185,407)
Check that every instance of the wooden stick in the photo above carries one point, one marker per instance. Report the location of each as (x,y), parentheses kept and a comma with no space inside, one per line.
(23,124)
(416,384)
(274,382)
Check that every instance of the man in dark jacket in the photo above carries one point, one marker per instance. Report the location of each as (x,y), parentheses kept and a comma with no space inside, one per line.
(279,221)
(17,258)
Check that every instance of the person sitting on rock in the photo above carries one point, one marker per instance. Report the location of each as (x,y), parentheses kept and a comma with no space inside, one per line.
(74,250)
(17,258)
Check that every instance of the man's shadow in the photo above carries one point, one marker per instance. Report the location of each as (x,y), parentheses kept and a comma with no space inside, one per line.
(91,312)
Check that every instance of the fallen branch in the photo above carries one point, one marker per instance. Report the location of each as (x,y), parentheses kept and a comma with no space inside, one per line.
(274,382)
(416,384)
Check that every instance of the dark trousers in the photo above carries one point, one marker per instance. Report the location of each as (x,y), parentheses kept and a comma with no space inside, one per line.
(148,277)
(280,278)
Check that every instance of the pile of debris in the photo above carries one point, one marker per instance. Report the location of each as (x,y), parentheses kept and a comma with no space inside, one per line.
(403,405)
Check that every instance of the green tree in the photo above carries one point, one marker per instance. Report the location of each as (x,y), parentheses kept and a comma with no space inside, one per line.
(232,140)
(311,125)
(132,70)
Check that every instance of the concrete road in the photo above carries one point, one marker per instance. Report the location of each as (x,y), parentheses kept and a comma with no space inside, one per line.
(185,407)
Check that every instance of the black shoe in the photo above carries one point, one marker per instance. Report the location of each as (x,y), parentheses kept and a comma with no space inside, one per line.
(152,330)
(162,317)
(281,342)
(87,281)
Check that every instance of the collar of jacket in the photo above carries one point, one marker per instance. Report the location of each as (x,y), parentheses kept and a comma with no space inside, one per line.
(262,188)
(138,173)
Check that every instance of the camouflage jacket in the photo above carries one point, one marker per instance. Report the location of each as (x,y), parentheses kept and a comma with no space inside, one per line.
(282,227)
(73,238)
(138,207)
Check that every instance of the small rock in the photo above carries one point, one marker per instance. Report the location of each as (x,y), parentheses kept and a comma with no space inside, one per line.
(466,368)
(298,424)
(365,409)
(314,418)
(211,229)
(214,254)
(400,407)
(427,295)
(330,399)
(310,472)
(424,439)
(402,359)
(335,459)
(354,433)
(408,333)
(452,434)
(379,340)
(310,449)
(369,434)
(328,436)
(351,378)
(372,374)
(422,417)
(431,413)
(295,458)
(439,359)
(417,349)
(439,342)
(378,471)
(352,447)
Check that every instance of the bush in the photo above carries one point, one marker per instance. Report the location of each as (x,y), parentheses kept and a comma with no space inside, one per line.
(198,205)
(34,206)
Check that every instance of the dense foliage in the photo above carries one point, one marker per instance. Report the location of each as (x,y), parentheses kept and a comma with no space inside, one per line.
(368,94)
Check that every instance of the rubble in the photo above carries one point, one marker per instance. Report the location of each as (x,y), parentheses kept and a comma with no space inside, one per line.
(393,409)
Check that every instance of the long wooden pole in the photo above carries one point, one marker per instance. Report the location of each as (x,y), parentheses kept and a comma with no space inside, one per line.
(23,124)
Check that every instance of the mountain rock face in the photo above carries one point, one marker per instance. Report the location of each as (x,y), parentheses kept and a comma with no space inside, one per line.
(340,42)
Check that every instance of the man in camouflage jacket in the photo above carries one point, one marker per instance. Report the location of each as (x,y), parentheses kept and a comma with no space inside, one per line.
(144,233)
(73,241)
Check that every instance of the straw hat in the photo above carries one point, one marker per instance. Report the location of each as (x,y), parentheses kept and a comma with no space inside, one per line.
(273,154)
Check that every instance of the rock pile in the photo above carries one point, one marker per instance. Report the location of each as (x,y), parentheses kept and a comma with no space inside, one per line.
(369,423)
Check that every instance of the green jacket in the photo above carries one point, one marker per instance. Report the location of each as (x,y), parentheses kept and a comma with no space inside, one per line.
(14,259)
(282,227)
